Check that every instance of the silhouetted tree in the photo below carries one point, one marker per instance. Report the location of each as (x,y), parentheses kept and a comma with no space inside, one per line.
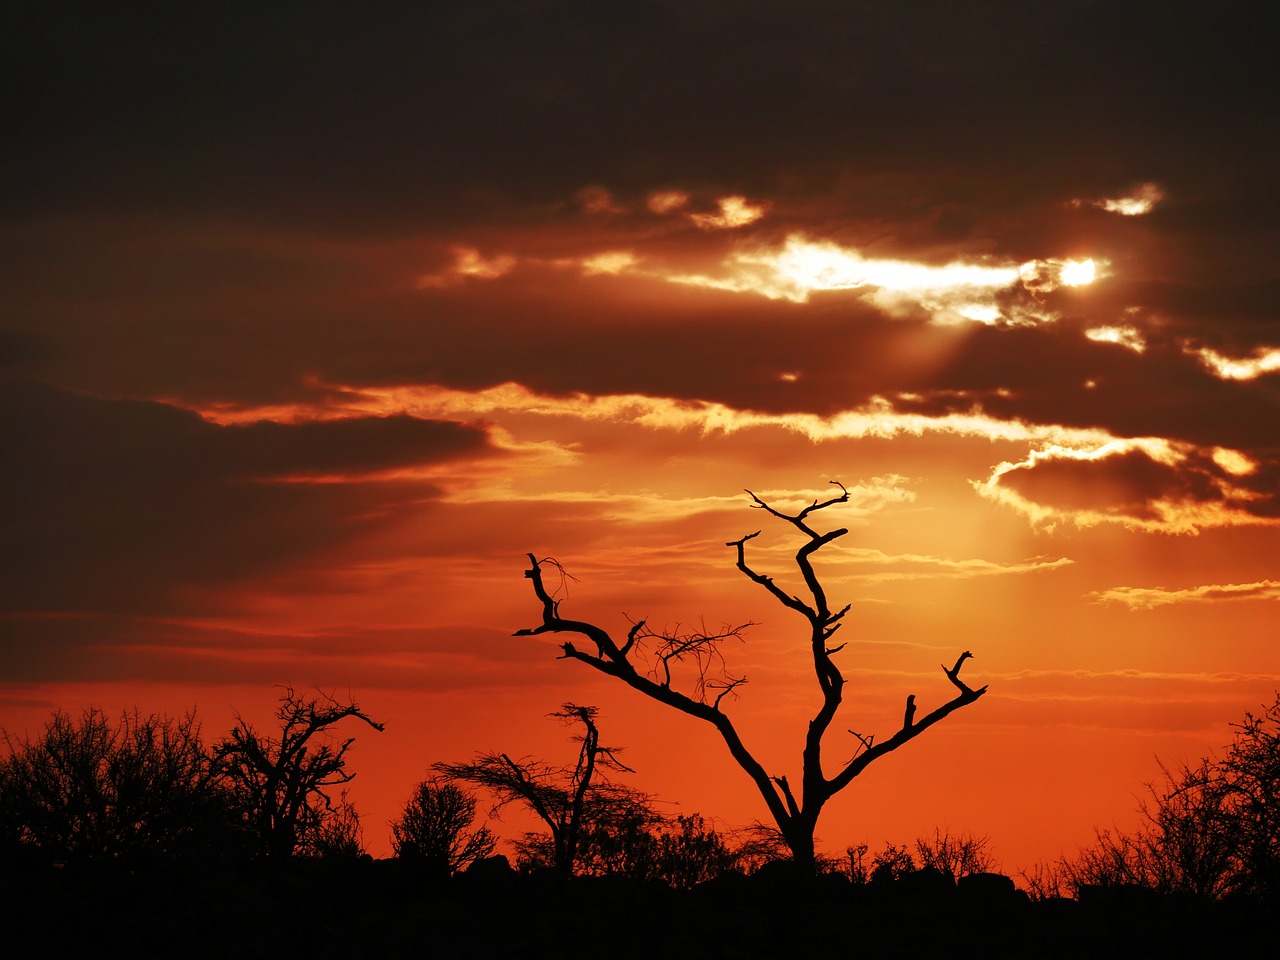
(281,783)
(690,851)
(1211,828)
(90,789)
(568,800)
(435,828)
(619,840)
(1249,776)
(794,811)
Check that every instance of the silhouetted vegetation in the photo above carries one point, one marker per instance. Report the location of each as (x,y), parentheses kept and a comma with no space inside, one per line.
(281,783)
(1210,829)
(141,802)
(138,790)
(698,655)
(436,828)
(950,856)
(571,801)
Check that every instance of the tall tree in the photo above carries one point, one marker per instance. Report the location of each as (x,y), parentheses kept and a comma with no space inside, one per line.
(795,811)
(281,783)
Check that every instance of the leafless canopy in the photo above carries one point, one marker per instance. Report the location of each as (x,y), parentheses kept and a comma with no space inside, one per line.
(795,812)
(283,782)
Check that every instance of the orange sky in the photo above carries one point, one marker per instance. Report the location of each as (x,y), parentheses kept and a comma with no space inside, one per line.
(306,347)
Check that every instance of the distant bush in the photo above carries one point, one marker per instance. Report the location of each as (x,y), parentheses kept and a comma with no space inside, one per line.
(951,856)
(1211,829)
(89,789)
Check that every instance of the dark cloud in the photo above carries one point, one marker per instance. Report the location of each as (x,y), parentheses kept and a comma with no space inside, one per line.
(1136,486)
(395,112)
(113,648)
(112,506)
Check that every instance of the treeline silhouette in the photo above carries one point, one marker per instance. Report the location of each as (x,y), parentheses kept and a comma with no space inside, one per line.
(99,816)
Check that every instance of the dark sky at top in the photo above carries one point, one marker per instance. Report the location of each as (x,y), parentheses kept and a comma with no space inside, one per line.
(383,116)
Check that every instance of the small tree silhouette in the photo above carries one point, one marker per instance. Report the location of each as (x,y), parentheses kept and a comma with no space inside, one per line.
(795,811)
(281,783)
(435,828)
(568,800)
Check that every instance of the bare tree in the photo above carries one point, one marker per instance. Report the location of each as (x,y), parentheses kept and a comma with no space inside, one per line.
(795,811)
(281,783)
(435,828)
(566,799)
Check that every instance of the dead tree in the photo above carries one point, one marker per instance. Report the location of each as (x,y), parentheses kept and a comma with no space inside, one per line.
(795,811)
(281,784)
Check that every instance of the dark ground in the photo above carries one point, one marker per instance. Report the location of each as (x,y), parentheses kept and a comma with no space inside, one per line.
(383,910)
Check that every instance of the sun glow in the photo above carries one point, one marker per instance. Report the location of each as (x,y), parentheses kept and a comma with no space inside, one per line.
(951,293)
(1077,273)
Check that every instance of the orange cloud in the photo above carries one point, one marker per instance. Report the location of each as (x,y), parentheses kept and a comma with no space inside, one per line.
(664,202)
(1147,598)
(469,263)
(1265,360)
(1140,202)
(734,212)
(1125,336)
(905,567)
(1145,484)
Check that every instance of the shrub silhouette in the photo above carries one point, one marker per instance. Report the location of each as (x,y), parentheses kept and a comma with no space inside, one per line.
(435,828)
(136,790)
(1210,829)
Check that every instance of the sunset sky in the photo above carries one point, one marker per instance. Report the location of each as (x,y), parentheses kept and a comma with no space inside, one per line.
(315,319)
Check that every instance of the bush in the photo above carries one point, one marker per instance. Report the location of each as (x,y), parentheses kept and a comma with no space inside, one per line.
(90,790)
(1210,829)
(436,828)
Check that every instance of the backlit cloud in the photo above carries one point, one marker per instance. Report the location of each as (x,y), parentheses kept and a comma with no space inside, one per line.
(1142,200)
(663,202)
(469,264)
(906,567)
(733,212)
(1125,336)
(1265,360)
(1147,598)
(1145,484)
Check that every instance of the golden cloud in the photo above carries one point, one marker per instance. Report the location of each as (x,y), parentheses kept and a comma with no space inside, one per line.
(1147,598)
(1263,361)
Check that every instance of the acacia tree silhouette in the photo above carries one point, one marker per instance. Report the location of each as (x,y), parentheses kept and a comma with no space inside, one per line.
(795,812)
(568,800)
